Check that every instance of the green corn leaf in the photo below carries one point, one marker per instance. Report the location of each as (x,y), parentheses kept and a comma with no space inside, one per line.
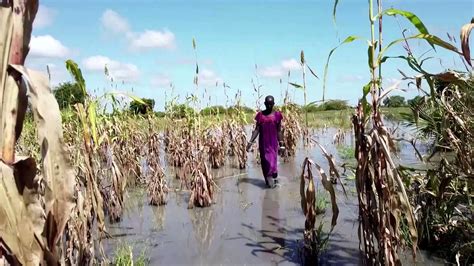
(298,86)
(76,73)
(428,37)
(92,115)
(347,40)
(370,53)
(414,19)
(127,95)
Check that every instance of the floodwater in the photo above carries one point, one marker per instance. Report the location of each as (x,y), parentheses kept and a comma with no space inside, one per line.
(248,224)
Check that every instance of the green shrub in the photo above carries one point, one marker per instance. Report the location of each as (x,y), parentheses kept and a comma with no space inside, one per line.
(331,105)
(235,109)
(180,111)
(140,108)
(67,94)
(213,110)
(394,101)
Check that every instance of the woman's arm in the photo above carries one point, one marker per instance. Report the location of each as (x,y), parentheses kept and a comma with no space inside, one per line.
(280,133)
(255,133)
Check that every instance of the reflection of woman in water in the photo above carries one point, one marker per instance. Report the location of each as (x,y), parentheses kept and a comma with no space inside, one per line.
(268,128)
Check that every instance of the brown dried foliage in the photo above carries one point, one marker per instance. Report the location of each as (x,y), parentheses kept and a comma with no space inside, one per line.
(34,208)
(383,201)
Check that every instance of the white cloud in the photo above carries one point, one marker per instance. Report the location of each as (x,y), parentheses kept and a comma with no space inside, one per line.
(115,23)
(271,72)
(44,17)
(117,70)
(209,78)
(281,69)
(47,47)
(150,39)
(137,41)
(290,64)
(160,80)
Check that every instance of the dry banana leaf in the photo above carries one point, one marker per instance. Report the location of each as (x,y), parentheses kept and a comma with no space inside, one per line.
(57,172)
(21,213)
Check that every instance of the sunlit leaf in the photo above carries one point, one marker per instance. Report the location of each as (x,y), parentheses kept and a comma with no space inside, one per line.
(76,73)
(415,20)
(430,38)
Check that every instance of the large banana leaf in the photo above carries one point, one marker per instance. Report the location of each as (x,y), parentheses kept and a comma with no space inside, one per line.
(21,214)
(57,172)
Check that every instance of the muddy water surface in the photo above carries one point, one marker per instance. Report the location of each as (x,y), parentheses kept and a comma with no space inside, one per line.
(248,224)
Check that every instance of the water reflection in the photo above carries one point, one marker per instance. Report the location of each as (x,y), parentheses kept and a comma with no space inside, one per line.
(159,217)
(203,221)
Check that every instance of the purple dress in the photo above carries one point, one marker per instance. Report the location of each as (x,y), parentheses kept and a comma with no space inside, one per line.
(268,141)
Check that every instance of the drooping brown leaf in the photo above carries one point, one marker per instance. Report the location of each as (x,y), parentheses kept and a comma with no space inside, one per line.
(328,186)
(57,172)
(332,165)
(19,216)
(465,33)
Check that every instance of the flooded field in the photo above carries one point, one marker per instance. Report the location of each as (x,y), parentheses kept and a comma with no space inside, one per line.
(248,224)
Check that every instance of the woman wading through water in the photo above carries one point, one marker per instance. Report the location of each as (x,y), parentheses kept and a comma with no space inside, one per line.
(268,128)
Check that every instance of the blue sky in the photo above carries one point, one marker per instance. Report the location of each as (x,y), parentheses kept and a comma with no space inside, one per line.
(148,44)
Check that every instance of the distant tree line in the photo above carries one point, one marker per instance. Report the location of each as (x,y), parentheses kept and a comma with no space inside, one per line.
(68,94)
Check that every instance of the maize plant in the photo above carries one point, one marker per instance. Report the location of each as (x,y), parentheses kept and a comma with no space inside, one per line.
(215,142)
(154,174)
(314,241)
(291,129)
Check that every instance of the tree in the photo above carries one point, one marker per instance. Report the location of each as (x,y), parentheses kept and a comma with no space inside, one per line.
(180,111)
(334,105)
(415,101)
(140,108)
(394,101)
(67,94)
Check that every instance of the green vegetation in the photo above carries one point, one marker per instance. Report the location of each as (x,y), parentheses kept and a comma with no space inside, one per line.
(346,152)
(330,105)
(124,257)
(394,101)
(68,94)
(143,107)
(321,202)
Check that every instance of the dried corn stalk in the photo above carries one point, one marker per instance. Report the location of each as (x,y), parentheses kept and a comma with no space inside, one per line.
(383,201)
(155,176)
(201,184)
(215,142)
(313,239)
(291,129)
(237,142)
